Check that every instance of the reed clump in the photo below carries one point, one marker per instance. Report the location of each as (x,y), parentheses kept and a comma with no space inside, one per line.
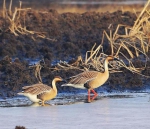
(132,45)
(16,20)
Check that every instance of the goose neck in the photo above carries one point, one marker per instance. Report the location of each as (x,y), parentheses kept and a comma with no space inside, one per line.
(106,65)
(54,84)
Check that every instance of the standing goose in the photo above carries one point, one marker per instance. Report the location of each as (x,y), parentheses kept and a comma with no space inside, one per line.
(90,79)
(40,92)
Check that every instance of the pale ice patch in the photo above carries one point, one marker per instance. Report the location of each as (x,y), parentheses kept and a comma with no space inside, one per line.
(109,111)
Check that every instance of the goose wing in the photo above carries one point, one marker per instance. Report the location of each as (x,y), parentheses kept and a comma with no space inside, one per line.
(83,78)
(36,89)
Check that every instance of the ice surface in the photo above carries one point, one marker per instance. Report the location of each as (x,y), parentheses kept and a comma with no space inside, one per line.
(112,111)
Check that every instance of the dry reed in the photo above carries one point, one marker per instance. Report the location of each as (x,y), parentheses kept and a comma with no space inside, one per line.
(136,37)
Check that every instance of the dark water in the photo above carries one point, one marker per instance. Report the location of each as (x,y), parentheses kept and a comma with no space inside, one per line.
(52,3)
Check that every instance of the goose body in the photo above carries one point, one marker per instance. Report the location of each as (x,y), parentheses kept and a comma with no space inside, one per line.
(40,92)
(90,79)
(93,79)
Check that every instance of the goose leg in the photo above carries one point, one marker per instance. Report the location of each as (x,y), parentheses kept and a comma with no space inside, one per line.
(43,103)
(94,92)
(89,91)
(89,99)
(93,97)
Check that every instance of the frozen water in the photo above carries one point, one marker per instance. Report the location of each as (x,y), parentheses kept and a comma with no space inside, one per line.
(113,111)
(129,2)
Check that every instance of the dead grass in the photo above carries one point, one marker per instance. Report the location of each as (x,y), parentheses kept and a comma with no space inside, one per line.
(14,20)
(135,42)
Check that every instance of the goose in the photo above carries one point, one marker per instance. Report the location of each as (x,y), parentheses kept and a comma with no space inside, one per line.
(40,92)
(90,79)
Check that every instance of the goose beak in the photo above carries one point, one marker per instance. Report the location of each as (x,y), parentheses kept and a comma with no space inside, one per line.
(116,59)
(64,81)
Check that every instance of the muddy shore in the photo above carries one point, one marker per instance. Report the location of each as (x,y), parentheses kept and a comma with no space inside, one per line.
(67,35)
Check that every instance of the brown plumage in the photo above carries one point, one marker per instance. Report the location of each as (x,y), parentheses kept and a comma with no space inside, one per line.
(40,92)
(90,79)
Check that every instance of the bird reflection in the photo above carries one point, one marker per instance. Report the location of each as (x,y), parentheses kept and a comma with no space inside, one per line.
(39,104)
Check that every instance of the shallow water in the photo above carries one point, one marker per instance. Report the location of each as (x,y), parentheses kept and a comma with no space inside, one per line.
(128,2)
(113,111)
(77,2)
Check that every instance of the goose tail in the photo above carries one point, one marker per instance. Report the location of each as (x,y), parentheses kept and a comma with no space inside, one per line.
(80,86)
(20,93)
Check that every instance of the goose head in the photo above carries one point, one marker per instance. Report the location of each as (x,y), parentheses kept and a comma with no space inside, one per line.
(111,58)
(58,79)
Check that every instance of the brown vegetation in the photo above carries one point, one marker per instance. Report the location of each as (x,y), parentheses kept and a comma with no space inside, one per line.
(27,34)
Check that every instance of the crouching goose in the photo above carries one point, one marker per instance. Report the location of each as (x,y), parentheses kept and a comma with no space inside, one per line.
(40,92)
(90,79)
